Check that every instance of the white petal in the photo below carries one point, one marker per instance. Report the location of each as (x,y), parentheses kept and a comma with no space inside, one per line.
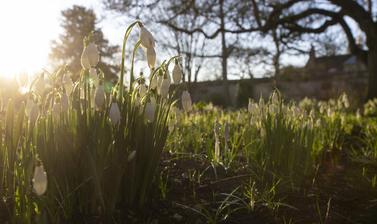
(99,97)
(114,113)
(146,38)
(151,57)
(39,180)
(177,74)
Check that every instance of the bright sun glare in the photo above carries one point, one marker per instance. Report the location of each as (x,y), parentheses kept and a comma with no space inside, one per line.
(27,28)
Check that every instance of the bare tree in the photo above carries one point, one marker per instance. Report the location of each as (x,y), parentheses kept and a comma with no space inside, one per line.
(297,16)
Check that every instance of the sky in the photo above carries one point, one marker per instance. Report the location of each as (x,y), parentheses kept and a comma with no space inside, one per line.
(27,28)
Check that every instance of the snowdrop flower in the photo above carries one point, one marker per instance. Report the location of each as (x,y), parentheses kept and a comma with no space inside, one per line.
(186,101)
(64,102)
(151,57)
(252,107)
(99,97)
(216,130)
(114,113)
(249,106)
(131,156)
(90,56)
(94,76)
(177,74)
(150,110)
(164,88)
(345,100)
(160,79)
(226,131)
(167,75)
(146,38)
(275,98)
(39,180)
(153,82)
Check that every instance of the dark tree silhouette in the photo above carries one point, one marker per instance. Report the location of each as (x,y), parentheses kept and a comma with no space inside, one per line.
(298,16)
(78,23)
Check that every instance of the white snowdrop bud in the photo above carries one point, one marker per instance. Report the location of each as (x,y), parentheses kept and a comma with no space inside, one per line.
(177,74)
(150,109)
(39,180)
(99,98)
(90,56)
(131,156)
(114,114)
(250,106)
(151,57)
(153,82)
(186,101)
(167,75)
(226,132)
(64,102)
(160,79)
(275,98)
(146,38)
(164,88)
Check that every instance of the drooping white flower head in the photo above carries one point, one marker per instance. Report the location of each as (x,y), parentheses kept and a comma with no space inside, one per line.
(114,113)
(90,56)
(226,131)
(177,74)
(151,57)
(186,101)
(160,79)
(85,61)
(250,105)
(99,97)
(150,110)
(146,38)
(153,82)
(164,88)
(39,180)
(131,156)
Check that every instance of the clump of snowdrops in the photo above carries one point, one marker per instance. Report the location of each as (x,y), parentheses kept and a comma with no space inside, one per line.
(81,151)
(282,138)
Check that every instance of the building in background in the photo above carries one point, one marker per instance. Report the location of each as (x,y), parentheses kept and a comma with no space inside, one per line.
(321,78)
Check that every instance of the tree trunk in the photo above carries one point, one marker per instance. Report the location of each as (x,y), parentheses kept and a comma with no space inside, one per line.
(372,70)
(224,55)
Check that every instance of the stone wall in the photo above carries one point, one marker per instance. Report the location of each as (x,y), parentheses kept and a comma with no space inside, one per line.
(322,89)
